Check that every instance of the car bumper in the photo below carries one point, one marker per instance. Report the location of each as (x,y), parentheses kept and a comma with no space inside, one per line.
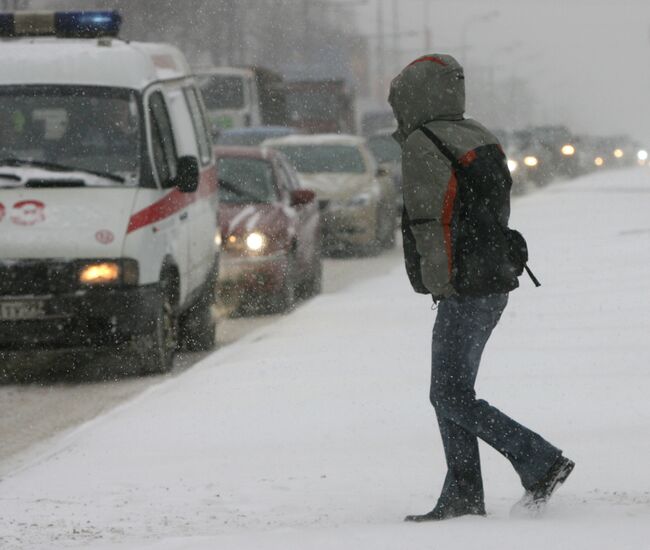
(252,274)
(83,319)
(348,227)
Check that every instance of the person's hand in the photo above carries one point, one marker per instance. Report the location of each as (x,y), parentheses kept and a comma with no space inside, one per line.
(443,292)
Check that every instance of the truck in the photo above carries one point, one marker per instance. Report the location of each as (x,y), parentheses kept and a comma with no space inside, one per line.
(237,97)
(321,106)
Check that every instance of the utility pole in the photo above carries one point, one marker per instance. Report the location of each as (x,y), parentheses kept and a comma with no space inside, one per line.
(427,26)
(396,40)
(306,37)
(380,49)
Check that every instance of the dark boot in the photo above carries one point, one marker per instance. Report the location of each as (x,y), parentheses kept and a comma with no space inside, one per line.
(449,510)
(534,501)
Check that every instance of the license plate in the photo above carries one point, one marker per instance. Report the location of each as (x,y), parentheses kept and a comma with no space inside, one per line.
(22,309)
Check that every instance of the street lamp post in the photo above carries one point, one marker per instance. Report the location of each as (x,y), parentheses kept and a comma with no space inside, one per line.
(427,26)
(481,18)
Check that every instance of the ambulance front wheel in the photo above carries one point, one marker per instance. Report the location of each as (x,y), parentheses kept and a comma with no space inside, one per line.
(160,345)
(199,324)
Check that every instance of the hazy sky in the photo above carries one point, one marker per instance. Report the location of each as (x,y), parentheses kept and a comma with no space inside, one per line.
(588,61)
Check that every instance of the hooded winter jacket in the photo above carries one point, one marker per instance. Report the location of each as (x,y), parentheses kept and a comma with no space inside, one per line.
(431,92)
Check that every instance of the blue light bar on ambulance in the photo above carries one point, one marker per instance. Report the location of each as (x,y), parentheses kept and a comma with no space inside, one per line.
(71,24)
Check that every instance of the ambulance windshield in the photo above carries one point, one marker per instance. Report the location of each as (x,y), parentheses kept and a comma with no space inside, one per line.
(85,128)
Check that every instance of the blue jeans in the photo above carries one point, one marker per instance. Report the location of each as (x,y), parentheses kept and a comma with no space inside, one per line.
(462,328)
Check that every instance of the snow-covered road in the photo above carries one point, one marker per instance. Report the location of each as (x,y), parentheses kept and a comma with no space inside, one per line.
(316,432)
(31,413)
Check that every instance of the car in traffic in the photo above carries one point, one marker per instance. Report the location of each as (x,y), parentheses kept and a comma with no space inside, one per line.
(254,135)
(356,197)
(108,215)
(271,231)
(388,155)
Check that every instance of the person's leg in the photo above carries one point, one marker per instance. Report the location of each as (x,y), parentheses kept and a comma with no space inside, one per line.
(463,481)
(465,326)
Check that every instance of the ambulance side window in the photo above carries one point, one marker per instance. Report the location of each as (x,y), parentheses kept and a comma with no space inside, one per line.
(200,129)
(164,149)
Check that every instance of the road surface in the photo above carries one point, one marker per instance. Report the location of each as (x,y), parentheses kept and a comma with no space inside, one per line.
(32,413)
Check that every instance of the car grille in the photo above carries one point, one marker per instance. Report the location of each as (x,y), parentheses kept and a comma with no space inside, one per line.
(36,277)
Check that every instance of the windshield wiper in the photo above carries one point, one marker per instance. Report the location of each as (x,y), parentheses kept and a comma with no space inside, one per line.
(59,168)
(239,192)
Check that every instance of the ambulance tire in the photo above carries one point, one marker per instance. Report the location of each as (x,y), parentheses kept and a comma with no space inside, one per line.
(199,325)
(160,345)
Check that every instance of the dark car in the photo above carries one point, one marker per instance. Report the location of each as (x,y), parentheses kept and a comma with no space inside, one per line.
(270,230)
(253,135)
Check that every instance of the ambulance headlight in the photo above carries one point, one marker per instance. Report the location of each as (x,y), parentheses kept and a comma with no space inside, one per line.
(109,272)
(255,241)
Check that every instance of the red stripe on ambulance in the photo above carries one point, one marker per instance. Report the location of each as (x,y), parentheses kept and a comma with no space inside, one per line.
(173,202)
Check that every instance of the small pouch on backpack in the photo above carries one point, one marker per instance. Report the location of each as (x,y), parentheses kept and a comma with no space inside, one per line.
(517,250)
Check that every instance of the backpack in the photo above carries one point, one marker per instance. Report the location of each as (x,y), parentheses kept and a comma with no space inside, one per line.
(487,256)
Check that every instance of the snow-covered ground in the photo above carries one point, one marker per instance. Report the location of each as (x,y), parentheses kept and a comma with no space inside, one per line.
(316,432)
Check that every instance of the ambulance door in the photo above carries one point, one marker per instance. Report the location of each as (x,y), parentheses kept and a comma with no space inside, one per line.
(200,221)
(205,243)
(173,227)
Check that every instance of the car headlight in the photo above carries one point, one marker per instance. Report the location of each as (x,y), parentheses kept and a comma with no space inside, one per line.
(255,241)
(618,153)
(642,155)
(531,161)
(512,165)
(568,150)
(109,273)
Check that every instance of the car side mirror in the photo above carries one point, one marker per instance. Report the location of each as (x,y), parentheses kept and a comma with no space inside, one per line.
(381,172)
(187,174)
(302,196)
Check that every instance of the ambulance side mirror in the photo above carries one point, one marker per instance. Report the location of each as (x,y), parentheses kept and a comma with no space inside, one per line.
(187,174)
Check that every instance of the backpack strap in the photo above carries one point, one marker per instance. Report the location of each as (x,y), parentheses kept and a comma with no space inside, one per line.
(442,147)
(458,167)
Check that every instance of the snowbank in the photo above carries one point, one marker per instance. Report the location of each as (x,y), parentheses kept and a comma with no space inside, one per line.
(317,432)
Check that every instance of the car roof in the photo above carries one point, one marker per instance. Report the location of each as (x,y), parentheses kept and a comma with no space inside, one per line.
(226,71)
(260,130)
(261,153)
(316,139)
(89,62)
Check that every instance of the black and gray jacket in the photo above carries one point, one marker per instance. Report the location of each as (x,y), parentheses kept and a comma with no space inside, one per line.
(453,234)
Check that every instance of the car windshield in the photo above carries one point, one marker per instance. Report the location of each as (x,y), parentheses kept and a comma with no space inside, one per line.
(385,149)
(223,92)
(245,180)
(312,159)
(89,129)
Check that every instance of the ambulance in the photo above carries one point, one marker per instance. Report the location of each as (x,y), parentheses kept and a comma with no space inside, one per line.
(109,235)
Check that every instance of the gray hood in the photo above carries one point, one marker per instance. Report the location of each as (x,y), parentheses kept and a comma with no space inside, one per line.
(430,88)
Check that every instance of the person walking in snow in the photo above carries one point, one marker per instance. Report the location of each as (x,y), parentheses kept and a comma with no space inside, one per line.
(459,250)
